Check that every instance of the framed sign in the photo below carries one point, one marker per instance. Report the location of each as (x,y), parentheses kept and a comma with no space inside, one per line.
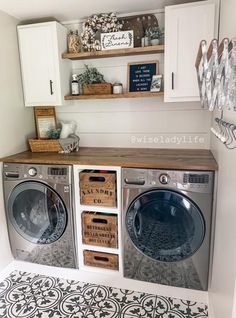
(156,83)
(117,40)
(45,120)
(140,75)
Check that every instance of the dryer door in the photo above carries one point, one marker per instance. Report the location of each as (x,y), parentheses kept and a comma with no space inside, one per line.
(37,212)
(165,225)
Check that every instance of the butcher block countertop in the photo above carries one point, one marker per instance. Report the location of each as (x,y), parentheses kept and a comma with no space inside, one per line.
(185,159)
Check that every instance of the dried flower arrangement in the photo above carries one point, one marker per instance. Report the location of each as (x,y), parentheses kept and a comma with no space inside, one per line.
(104,22)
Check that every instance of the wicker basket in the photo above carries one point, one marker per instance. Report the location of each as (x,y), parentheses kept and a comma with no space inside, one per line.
(43,145)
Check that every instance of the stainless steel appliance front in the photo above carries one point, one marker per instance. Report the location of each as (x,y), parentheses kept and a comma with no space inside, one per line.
(167,226)
(39,213)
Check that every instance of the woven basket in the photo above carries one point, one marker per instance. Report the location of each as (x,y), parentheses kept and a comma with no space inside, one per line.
(40,145)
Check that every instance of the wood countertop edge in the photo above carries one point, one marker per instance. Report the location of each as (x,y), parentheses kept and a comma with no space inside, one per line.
(166,165)
(191,159)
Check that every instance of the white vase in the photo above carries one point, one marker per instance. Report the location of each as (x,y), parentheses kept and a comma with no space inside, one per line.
(155,41)
(145,41)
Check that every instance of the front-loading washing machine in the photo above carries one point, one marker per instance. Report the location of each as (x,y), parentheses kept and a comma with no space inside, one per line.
(167,226)
(39,211)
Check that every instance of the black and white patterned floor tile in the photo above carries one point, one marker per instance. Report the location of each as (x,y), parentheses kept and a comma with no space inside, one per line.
(26,295)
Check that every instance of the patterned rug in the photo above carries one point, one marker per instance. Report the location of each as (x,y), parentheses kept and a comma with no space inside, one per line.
(27,295)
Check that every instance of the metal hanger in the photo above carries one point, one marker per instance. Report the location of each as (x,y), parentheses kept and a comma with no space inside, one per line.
(232,144)
(226,133)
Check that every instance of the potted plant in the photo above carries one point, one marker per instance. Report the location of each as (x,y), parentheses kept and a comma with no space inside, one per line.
(155,34)
(93,82)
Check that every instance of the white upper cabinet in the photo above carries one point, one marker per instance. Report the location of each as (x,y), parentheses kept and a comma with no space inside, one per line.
(45,75)
(185,26)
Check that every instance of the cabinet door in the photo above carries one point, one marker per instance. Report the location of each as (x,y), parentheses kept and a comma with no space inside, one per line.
(185,26)
(38,58)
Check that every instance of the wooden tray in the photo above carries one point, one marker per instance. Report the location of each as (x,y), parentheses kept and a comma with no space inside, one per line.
(138,23)
(97,89)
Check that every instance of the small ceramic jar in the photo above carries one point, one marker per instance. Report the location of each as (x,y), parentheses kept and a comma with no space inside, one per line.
(155,41)
(117,88)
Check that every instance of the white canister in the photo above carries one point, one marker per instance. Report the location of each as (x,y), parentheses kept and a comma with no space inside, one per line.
(145,41)
(117,88)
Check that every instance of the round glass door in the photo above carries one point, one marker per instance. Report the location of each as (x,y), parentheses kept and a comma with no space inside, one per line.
(37,212)
(165,225)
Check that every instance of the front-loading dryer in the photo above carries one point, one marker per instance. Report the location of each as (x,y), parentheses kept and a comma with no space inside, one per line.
(38,204)
(167,226)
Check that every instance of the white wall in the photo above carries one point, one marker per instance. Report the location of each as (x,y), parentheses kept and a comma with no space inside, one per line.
(16,120)
(143,122)
(222,290)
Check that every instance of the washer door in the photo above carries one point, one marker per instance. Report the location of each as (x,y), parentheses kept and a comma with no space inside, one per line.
(165,225)
(37,212)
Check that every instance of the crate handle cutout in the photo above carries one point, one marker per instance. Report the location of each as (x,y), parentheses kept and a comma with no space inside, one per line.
(101,259)
(97,179)
(95,220)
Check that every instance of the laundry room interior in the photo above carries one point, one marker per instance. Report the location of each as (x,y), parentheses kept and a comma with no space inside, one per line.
(117,147)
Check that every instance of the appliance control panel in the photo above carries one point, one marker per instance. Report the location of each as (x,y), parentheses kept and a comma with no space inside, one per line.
(193,178)
(195,181)
(134,177)
(50,173)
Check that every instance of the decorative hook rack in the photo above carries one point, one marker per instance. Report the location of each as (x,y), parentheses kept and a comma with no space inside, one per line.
(216,73)
(226,133)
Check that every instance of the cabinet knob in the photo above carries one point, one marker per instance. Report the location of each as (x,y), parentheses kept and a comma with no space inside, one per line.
(51,90)
(173,80)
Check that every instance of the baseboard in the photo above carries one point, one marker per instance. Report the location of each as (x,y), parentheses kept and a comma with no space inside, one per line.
(7,270)
(211,313)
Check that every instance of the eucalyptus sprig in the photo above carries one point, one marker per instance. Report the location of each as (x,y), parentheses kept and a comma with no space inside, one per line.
(90,76)
(154,32)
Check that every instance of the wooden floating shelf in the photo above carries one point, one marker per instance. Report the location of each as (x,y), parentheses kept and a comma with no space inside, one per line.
(114,53)
(116,96)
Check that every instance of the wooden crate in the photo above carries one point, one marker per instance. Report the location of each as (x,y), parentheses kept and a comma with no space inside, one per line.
(99,259)
(97,89)
(99,229)
(98,188)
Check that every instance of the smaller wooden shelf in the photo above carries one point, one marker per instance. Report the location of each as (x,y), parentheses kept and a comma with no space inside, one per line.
(114,53)
(116,96)
(102,209)
(100,249)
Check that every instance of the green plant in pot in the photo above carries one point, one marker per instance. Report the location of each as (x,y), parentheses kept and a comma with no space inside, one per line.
(93,82)
(155,34)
